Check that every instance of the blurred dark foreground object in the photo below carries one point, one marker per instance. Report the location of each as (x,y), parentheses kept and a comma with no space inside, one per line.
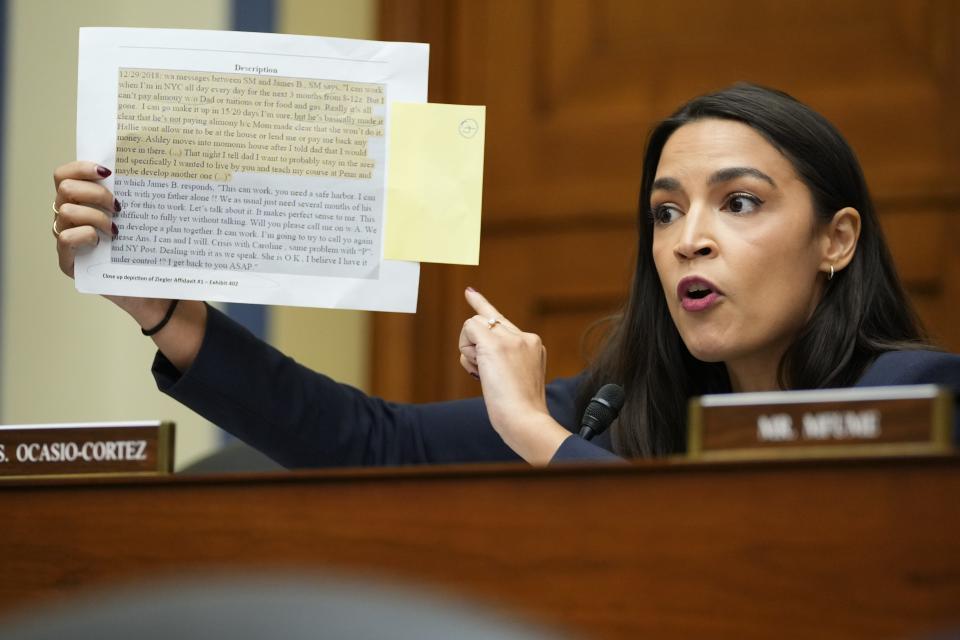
(241,607)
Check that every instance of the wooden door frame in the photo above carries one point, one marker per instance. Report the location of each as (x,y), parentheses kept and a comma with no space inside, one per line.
(406,343)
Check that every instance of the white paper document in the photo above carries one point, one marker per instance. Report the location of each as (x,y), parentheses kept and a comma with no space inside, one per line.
(250,167)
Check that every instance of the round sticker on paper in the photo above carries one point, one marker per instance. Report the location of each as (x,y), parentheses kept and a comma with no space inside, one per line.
(469,128)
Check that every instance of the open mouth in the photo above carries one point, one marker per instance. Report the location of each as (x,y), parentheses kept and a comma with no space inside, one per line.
(698,291)
(697,294)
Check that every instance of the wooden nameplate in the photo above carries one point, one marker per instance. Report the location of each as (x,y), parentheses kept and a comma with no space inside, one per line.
(90,449)
(908,420)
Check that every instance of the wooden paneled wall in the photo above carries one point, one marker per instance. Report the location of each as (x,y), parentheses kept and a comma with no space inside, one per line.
(573,86)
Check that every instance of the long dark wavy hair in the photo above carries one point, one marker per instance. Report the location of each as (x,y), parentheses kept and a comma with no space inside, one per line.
(863,313)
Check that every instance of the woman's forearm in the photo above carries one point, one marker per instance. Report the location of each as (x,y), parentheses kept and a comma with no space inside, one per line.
(535,439)
(180,339)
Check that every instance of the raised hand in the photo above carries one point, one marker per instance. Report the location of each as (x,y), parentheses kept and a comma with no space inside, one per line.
(511,367)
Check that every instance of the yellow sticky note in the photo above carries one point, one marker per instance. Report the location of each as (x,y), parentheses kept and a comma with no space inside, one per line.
(434,183)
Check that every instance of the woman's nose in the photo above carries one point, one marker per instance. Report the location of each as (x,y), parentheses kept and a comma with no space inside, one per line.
(696,235)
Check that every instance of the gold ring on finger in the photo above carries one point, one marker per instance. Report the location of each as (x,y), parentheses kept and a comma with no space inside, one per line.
(56,214)
(492,322)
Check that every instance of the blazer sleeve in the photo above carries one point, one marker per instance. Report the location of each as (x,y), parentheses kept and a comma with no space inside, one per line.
(918,367)
(576,449)
(301,418)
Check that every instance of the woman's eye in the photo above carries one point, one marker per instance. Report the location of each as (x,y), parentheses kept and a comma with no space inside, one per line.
(664,214)
(743,203)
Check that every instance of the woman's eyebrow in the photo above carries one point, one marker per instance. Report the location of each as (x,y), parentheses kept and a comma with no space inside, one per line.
(666,184)
(731,173)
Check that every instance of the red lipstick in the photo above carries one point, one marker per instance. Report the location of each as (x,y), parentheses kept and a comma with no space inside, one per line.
(697,294)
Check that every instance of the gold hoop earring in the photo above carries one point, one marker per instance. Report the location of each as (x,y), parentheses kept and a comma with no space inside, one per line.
(830,277)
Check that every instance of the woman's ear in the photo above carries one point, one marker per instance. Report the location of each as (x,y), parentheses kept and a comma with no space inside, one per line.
(839,239)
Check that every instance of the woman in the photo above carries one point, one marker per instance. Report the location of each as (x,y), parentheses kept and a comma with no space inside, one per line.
(761,266)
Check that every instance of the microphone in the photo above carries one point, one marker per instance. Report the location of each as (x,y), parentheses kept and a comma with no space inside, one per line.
(601,411)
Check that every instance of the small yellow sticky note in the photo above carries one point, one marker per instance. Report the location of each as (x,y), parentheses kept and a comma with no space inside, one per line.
(434,183)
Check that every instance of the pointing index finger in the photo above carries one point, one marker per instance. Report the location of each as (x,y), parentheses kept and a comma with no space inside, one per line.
(480,304)
(483,307)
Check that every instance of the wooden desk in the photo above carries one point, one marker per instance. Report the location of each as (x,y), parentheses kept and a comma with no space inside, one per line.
(839,548)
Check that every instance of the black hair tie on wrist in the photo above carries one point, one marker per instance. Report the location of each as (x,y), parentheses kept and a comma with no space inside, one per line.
(162,323)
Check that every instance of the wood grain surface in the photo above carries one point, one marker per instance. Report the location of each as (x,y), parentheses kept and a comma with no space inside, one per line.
(827,549)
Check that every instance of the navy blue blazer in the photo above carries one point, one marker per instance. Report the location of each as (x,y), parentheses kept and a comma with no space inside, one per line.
(301,418)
